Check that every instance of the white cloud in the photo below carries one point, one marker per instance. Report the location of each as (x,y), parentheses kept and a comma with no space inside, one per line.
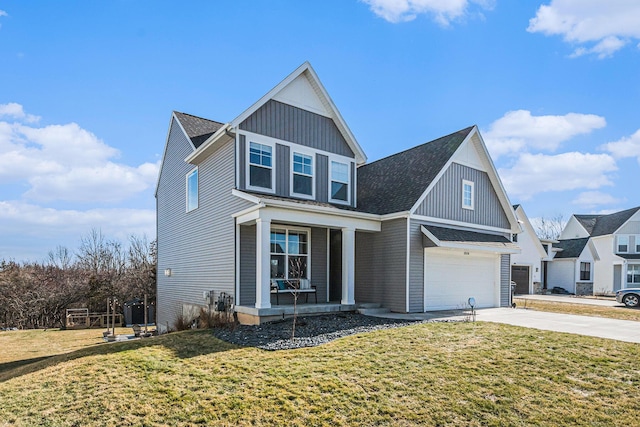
(539,173)
(15,111)
(591,199)
(625,147)
(606,26)
(67,163)
(443,11)
(519,131)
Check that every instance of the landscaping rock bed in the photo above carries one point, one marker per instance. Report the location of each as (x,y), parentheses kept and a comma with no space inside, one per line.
(310,331)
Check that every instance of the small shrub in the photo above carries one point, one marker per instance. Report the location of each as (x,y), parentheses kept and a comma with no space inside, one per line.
(214,319)
(181,323)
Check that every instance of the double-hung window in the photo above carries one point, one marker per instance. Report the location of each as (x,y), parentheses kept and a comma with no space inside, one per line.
(623,244)
(192,190)
(302,180)
(289,253)
(585,271)
(633,274)
(638,244)
(260,166)
(467,194)
(339,188)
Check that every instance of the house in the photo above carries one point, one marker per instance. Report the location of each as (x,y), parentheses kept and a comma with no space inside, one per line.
(284,191)
(529,268)
(609,247)
(573,266)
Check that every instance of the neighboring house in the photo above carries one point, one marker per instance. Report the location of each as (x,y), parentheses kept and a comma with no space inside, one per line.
(615,242)
(573,266)
(283,191)
(529,266)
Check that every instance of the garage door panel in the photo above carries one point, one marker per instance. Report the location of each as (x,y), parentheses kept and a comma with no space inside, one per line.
(450,279)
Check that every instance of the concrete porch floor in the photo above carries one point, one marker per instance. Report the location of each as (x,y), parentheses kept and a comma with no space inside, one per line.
(255,316)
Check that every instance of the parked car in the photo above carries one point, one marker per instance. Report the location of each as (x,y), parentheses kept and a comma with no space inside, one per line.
(629,297)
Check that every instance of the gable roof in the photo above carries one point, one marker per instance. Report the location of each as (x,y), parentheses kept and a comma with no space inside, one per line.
(197,129)
(601,225)
(571,248)
(395,183)
(454,238)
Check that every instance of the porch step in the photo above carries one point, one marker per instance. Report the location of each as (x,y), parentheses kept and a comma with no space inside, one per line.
(373,311)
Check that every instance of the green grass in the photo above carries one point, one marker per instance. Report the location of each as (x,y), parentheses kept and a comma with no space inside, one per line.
(618,312)
(466,374)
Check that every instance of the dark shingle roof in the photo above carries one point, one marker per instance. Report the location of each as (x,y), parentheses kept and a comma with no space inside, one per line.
(587,221)
(608,224)
(197,128)
(571,248)
(453,235)
(395,183)
(629,256)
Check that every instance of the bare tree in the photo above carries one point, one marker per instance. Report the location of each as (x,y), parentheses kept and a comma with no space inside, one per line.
(550,228)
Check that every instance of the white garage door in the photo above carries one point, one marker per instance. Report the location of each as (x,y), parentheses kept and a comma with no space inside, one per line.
(450,278)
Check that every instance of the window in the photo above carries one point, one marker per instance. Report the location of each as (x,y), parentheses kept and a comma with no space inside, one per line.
(638,244)
(289,254)
(467,194)
(302,182)
(339,191)
(260,165)
(633,274)
(623,244)
(192,190)
(585,271)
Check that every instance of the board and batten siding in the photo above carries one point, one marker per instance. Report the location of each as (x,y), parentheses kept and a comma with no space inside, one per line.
(380,273)
(416,267)
(505,280)
(632,227)
(445,199)
(247,265)
(293,124)
(198,246)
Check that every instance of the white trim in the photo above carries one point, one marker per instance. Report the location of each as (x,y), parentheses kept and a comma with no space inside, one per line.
(247,165)
(248,197)
(333,159)
(324,98)
(469,246)
(209,143)
(166,145)
(472,186)
(637,243)
(237,265)
(187,176)
(407,268)
(437,221)
(328,261)
(307,153)
(238,165)
(618,237)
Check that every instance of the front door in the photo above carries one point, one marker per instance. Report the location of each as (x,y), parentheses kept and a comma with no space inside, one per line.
(335,265)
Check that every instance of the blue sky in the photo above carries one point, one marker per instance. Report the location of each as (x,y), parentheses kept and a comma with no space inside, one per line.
(87,90)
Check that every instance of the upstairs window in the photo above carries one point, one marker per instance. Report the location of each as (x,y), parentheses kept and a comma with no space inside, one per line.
(638,244)
(192,190)
(623,244)
(339,190)
(260,166)
(585,271)
(467,194)
(302,182)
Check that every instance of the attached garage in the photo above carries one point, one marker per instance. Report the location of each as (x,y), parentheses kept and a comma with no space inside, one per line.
(520,275)
(451,277)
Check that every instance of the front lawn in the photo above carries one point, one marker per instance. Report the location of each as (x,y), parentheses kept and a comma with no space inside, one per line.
(619,312)
(426,374)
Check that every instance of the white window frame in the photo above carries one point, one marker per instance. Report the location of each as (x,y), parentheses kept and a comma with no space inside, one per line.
(249,140)
(187,199)
(629,267)
(637,243)
(349,188)
(471,184)
(287,229)
(306,153)
(618,244)
(590,271)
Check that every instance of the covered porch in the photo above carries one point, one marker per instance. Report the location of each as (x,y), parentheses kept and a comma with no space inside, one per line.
(276,244)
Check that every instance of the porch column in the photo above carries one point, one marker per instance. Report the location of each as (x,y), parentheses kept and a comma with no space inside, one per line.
(263,261)
(348,265)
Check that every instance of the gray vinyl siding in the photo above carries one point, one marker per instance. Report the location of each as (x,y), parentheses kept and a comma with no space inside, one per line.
(319,250)
(283,121)
(248,265)
(505,280)
(283,170)
(380,275)
(445,199)
(416,267)
(322,179)
(632,227)
(242,159)
(198,246)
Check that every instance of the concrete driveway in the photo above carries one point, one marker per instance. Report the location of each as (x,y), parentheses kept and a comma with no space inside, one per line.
(621,330)
(572,299)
